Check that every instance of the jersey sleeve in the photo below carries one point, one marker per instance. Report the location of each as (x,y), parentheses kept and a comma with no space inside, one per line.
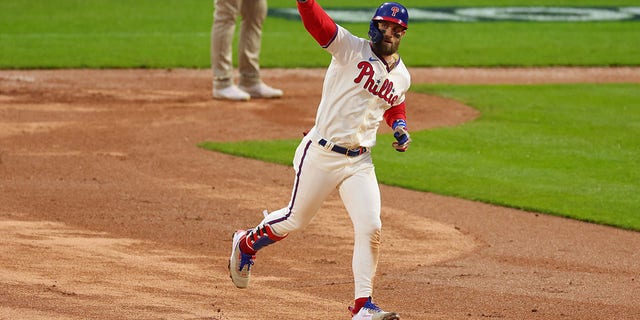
(395,113)
(317,22)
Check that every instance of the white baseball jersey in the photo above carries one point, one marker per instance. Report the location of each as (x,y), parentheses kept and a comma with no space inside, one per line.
(357,91)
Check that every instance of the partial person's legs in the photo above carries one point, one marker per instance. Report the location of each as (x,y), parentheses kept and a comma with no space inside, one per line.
(222,32)
(253,13)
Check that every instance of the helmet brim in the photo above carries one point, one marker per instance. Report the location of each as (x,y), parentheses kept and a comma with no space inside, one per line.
(390,19)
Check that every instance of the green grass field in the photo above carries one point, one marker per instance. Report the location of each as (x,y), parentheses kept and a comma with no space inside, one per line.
(168,34)
(569,150)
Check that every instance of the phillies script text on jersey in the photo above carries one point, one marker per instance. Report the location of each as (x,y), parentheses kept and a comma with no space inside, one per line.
(384,91)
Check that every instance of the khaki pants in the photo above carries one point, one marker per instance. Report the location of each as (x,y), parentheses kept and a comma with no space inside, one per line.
(253,14)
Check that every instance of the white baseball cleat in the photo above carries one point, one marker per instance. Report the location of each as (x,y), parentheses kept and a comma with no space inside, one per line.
(231,93)
(372,312)
(262,90)
(239,262)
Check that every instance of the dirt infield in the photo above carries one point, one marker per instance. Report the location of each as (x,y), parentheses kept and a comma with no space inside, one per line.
(108,210)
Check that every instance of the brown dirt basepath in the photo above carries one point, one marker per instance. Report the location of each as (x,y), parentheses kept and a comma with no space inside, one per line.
(108,210)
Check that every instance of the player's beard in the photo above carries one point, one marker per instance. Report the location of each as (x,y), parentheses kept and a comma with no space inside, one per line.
(383,48)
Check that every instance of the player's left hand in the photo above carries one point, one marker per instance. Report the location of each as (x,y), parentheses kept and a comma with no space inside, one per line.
(403,139)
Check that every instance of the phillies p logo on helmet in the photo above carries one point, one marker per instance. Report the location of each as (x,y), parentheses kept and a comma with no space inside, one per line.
(392,12)
(388,11)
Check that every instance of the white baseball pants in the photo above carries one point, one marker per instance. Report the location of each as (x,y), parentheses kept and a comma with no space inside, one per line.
(318,173)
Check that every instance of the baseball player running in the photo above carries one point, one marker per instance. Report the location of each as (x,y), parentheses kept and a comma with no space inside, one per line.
(365,84)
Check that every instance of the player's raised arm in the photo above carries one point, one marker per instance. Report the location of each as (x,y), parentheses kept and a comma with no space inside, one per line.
(317,22)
